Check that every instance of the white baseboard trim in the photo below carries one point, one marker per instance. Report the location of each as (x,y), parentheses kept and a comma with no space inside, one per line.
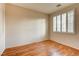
(66,44)
(1,53)
(26,43)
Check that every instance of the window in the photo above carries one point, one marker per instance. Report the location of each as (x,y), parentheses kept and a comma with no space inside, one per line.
(59,23)
(54,24)
(70,21)
(64,22)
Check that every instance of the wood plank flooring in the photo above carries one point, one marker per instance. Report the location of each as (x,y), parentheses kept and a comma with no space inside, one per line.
(44,48)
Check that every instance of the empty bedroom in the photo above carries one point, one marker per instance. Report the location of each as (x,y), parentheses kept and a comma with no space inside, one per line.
(39,29)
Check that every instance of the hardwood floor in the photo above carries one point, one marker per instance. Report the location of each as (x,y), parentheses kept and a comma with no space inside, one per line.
(44,48)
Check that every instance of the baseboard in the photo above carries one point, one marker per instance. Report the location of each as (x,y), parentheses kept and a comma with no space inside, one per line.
(25,44)
(65,45)
(1,53)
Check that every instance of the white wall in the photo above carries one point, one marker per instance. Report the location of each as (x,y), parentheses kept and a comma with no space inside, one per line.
(71,40)
(2,40)
(24,26)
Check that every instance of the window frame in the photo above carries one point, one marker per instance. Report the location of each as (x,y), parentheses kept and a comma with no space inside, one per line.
(74,20)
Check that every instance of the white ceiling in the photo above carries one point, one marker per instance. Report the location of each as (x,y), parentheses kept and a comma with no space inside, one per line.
(43,7)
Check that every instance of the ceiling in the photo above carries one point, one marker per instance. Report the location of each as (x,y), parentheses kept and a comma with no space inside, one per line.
(43,7)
